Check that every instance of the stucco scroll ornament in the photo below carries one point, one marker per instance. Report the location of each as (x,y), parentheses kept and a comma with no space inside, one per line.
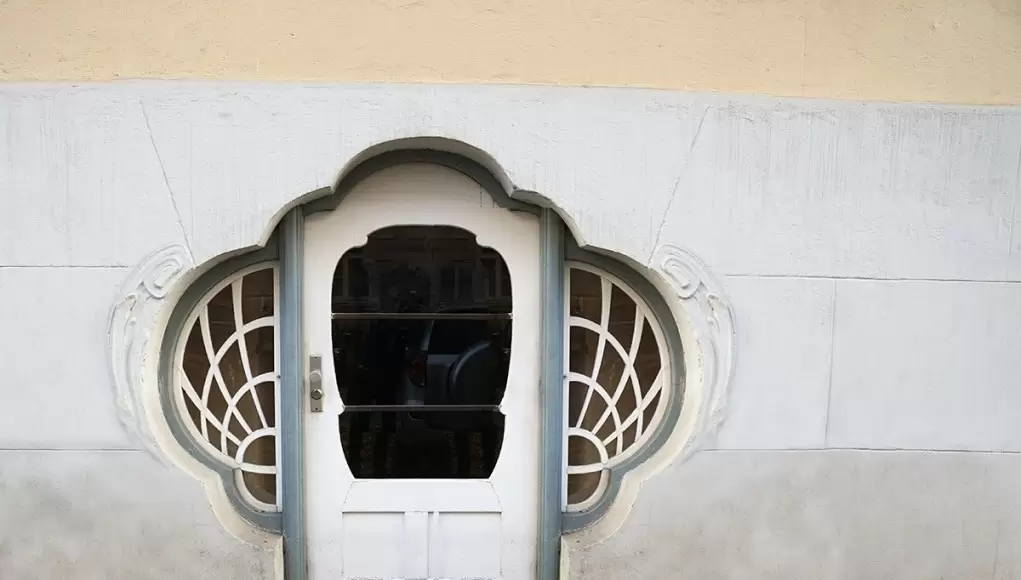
(707,330)
(712,320)
(131,319)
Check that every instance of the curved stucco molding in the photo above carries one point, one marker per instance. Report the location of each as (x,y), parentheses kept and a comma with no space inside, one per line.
(702,298)
(692,295)
(140,299)
(140,311)
(705,322)
(138,323)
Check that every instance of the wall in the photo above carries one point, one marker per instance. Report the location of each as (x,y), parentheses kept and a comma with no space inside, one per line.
(868,250)
(961,51)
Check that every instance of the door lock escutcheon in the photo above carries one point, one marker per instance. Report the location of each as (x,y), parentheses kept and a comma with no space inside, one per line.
(315,383)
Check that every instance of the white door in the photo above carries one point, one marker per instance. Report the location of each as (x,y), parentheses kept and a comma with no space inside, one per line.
(475,524)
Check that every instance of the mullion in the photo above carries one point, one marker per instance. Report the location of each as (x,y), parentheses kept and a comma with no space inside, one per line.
(422,316)
(420,408)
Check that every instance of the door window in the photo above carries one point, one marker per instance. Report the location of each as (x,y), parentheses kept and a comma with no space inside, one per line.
(420,326)
(421,346)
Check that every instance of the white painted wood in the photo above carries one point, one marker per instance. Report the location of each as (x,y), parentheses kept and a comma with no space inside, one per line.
(55,392)
(922,365)
(80,181)
(376,529)
(781,386)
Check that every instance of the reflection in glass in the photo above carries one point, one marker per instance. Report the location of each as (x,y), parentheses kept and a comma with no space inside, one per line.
(421,337)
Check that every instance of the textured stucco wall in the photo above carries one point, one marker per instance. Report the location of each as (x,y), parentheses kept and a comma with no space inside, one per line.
(963,51)
(112,515)
(868,250)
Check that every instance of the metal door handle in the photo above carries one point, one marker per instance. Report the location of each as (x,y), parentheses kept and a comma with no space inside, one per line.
(315,383)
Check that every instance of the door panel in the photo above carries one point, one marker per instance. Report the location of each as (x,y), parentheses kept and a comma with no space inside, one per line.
(424,528)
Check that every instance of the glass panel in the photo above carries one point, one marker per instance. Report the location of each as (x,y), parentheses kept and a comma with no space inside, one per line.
(257,297)
(615,381)
(421,346)
(228,379)
(421,444)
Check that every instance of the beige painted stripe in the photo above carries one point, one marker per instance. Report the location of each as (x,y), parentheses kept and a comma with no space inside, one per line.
(964,51)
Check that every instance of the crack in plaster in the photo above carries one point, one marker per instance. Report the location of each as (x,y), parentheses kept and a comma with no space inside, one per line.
(166,182)
(1013,213)
(680,176)
(833,349)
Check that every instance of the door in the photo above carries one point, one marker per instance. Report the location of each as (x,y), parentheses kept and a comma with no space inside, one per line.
(421,310)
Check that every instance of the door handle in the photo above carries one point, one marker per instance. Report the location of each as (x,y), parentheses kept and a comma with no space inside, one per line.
(315,383)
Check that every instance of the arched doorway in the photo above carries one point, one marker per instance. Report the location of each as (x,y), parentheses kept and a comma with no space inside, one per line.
(422,376)
(421,320)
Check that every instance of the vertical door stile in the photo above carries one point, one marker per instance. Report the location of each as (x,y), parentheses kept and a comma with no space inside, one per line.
(291,399)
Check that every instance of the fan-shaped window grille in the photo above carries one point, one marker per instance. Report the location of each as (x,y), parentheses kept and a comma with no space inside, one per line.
(225,382)
(617,372)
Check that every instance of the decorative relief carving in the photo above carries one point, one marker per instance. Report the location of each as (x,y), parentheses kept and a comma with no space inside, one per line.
(130,324)
(712,320)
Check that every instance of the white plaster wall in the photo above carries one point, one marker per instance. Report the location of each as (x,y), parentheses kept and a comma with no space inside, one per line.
(56,392)
(867,248)
(112,515)
(821,515)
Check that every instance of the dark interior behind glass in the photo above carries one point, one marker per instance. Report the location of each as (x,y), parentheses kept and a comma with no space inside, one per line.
(421,345)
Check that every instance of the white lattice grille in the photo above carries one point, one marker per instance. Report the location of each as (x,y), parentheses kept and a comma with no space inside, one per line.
(617,370)
(227,379)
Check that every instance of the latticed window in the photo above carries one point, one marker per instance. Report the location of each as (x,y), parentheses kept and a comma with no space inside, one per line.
(414,365)
(617,371)
(421,340)
(616,382)
(226,379)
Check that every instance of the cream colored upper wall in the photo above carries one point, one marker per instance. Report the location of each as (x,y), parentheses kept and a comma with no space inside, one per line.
(965,51)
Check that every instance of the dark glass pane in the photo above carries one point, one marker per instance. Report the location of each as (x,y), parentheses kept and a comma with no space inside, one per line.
(420,269)
(414,324)
(419,445)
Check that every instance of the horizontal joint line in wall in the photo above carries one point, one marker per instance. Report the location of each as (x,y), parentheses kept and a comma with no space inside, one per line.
(868,279)
(876,449)
(62,267)
(71,449)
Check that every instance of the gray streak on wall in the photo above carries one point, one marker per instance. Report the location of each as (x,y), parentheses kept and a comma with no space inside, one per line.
(824,515)
(885,191)
(112,515)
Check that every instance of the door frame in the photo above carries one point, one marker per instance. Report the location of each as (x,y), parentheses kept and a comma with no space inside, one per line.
(292,357)
(686,298)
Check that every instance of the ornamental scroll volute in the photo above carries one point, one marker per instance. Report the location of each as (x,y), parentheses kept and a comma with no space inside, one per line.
(683,417)
(140,300)
(711,316)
